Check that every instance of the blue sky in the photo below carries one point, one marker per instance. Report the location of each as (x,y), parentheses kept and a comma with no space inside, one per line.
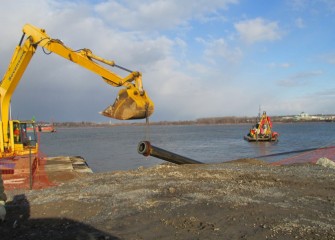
(198,58)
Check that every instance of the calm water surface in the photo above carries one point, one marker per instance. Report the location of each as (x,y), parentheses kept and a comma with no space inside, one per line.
(115,148)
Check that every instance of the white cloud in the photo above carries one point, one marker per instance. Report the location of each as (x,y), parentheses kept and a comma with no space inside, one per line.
(185,77)
(158,14)
(312,6)
(258,30)
(299,79)
(218,48)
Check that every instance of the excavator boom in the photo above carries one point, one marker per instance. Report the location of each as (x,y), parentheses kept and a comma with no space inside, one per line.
(132,101)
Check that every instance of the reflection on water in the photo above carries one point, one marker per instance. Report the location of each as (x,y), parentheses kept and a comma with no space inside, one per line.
(115,148)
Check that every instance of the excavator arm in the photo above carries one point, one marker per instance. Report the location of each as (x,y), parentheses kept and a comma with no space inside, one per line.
(83,57)
(132,101)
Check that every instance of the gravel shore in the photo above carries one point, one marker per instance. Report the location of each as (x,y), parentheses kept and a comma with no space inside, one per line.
(243,199)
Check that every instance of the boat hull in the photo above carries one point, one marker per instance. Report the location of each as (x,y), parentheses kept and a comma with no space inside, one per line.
(42,129)
(260,139)
(46,129)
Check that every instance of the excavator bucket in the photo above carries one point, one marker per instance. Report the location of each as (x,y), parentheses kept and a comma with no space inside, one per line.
(129,104)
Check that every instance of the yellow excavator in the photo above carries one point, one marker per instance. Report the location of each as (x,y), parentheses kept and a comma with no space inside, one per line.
(132,101)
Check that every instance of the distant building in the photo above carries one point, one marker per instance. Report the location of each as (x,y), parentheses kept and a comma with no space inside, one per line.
(306,117)
(302,116)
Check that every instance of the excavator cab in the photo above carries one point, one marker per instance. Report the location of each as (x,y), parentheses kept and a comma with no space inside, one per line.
(23,136)
(130,104)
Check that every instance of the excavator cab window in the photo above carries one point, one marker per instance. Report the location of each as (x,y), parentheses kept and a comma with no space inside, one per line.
(29,134)
(24,133)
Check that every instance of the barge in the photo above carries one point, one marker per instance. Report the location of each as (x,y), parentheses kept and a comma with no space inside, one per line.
(262,131)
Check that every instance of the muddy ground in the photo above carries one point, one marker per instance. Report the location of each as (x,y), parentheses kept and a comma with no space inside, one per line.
(246,199)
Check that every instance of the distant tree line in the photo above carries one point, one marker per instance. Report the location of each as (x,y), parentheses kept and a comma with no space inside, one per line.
(77,124)
(199,121)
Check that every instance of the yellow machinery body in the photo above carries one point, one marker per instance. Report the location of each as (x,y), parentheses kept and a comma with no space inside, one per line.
(132,101)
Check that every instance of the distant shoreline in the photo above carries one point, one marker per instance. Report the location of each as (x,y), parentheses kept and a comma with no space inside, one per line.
(202,121)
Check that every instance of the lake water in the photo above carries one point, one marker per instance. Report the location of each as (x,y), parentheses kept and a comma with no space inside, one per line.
(115,148)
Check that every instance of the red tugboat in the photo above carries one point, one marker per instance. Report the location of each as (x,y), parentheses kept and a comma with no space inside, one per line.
(42,127)
(262,131)
(45,128)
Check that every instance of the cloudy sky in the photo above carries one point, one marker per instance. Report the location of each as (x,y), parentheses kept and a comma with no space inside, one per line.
(198,58)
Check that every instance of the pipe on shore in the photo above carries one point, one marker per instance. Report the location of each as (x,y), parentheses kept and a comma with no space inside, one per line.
(146,149)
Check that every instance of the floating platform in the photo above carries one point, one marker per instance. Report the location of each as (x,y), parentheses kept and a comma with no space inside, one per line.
(260,139)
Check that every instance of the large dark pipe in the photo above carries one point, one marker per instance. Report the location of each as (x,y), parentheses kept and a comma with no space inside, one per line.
(146,149)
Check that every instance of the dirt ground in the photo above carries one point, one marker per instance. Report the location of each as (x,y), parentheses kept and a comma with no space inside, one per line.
(245,199)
